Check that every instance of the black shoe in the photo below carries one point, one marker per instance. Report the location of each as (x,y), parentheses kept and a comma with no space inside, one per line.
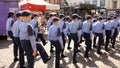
(86,56)
(51,51)
(78,51)
(16,59)
(22,67)
(113,47)
(74,62)
(82,41)
(48,59)
(45,43)
(107,50)
(94,46)
(69,48)
(99,52)
(63,56)
(79,45)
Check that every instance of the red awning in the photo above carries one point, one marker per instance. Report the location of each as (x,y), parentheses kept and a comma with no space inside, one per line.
(33,7)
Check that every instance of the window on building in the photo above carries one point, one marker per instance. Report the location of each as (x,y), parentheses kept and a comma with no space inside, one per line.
(115,4)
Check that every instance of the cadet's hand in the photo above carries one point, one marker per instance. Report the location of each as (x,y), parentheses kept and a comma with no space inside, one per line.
(34,53)
(62,47)
(95,36)
(65,38)
(111,36)
(78,41)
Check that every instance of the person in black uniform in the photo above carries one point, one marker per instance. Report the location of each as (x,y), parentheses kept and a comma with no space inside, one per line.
(9,25)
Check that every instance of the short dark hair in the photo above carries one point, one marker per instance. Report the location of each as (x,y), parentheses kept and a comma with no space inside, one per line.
(88,17)
(26,13)
(67,18)
(35,15)
(61,16)
(108,18)
(10,14)
(18,14)
(55,19)
(74,16)
(100,18)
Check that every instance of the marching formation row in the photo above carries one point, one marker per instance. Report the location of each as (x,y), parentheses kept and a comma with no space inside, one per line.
(25,32)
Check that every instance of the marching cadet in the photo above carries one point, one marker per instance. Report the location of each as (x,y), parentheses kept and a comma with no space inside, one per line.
(27,38)
(68,20)
(99,32)
(55,36)
(9,25)
(62,26)
(109,29)
(15,30)
(49,23)
(73,30)
(38,34)
(79,32)
(94,39)
(116,25)
(79,28)
(87,33)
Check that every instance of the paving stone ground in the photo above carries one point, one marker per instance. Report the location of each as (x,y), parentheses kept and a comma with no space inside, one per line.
(106,60)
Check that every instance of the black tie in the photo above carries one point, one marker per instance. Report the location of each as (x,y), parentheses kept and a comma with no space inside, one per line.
(30,31)
(79,27)
(51,23)
(64,26)
(12,22)
(103,27)
(59,32)
(90,27)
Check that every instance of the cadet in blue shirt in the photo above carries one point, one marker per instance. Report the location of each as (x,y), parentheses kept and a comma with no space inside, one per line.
(109,29)
(94,39)
(27,38)
(99,32)
(62,27)
(9,25)
(116,25)
(55,36)
(50,23)
(38,34)
(87,33)
(73,30)
(16,31)
(68,20)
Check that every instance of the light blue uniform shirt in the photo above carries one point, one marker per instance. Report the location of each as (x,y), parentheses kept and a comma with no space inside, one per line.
(109,26)
(15,28)
(86,27)
(99,27)
(49,23)
(9,23)
(33,22)
(53,34)
(67,27)
(74,26)
(61,24)
(24,34)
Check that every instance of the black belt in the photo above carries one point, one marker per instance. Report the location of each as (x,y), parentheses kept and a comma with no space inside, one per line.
(53,40)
